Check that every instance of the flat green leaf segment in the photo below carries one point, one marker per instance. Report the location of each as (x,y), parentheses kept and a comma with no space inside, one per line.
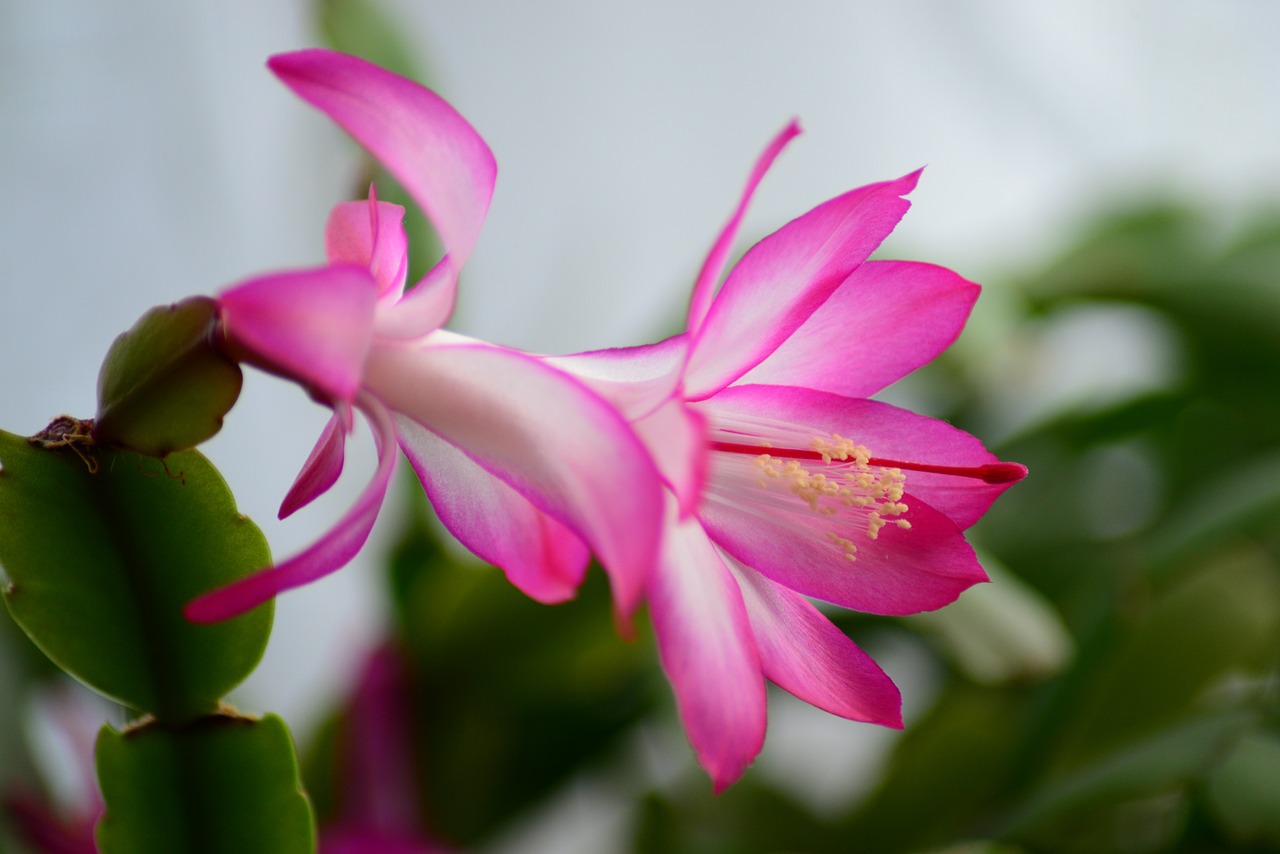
(224,784)
(164,385)
(102,548)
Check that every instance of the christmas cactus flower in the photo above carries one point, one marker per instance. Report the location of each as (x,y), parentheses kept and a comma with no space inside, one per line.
(527,466)
(783,481)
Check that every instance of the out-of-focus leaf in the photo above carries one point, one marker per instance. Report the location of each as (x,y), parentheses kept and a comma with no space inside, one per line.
(164,385)
(511,697)
(1244,789)
(362,28)
(223,784)
(1088,810)
(102,548)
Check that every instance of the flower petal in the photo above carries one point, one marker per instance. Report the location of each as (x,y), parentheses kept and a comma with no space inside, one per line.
(803,653)
(328,554)
(422,310)
(709,277)
(546,435)
(541,557)
(424,142)
(311,326)
(782,279)
(370,234)
(636,380)
(323,466)
(676,436)
(884,321)
(707,651)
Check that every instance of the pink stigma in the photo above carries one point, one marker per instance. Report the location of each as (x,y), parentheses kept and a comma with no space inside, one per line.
(987,473)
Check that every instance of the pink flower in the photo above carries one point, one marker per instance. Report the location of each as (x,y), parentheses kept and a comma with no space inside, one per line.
(784,481)
(379,809)
(526,466)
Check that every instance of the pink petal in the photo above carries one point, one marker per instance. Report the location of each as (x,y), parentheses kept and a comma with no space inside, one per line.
(899,572)
(676,436)
(330,553)
(423,309)
(311,326)
(782,279)
(636,380)
(542,558)
(707,651)
(322,467)
(547,436)
(884,321)
(424,142)
(370,234)
(709,277)
(889,433)
(805,654)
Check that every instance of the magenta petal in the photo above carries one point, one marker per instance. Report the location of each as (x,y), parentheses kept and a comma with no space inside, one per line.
(707,651)
(884,321)
(546,435)
(785,277)
(323,466)
(540,556)
(424,142)
(330,553)
(676,436)
(705,288)
(423,309)
(370,234)
(802,652)
(888,432)
(636,380)
(311,326)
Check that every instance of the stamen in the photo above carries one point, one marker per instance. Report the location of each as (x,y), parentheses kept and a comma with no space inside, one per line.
(988,472)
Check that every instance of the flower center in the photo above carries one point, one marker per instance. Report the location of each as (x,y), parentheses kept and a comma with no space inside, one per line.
(832,477)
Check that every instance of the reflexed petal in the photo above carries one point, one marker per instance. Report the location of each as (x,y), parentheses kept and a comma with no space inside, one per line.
(713,268)
(422,310)
(322,468)
(707,651)
(311,326)
(676,436)
(424,142)
(883,322)
(370,234)
(782,279)
(330,553)
(802,652)
(636,380)
(887,432)
(542,558)
(546,435)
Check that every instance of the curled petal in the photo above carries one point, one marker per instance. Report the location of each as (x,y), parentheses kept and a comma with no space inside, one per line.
(802,652)
(705,288)
(784,278)
(330,553)
(707,650)
(312,326)
(432,150)
(547,436)
(423,309)
(541,557)
(370,234)
(884,321)
(323,466)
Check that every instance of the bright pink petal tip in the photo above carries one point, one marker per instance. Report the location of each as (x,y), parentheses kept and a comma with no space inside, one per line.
(434,153)
(323,466)
(330,553)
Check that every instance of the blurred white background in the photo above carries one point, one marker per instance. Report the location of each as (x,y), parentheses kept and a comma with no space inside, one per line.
(147,155)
